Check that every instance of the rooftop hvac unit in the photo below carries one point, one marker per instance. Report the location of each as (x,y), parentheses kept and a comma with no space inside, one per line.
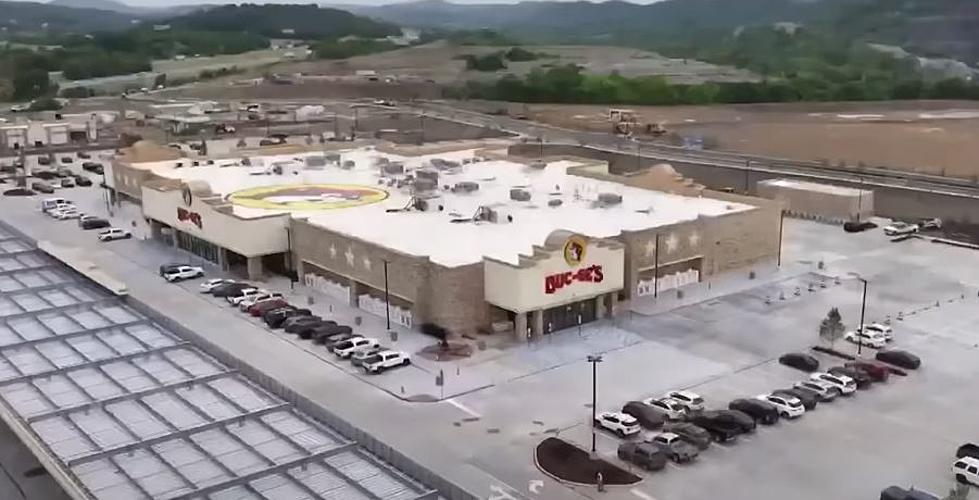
(393,168)
(382,160)
(315,162)
(425,185)
(332,157)
(518,194)
(465,187)
(246,161)
(609,198)
(556,202)
(424,173)
(538,165)
(348,165)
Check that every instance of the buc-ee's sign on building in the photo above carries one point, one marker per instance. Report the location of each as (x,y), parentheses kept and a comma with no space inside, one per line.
(579,269)
(574,253)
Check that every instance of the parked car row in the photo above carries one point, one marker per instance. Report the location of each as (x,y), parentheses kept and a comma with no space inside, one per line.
(687,427)
(363,352)
(62,209)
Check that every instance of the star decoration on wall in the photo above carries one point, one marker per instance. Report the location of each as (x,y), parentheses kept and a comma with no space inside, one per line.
(367,263)
(650,248)
(333,252)
(694,239)
(672,242)
(349,254)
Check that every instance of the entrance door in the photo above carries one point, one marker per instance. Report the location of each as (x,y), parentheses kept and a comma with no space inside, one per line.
(566,316)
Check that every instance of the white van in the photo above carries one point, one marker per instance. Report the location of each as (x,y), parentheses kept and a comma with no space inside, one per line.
(49,203)
(966,470)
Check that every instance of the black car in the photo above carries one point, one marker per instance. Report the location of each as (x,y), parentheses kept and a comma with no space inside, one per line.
(720,429)
(42,187)
(760,411)
(899,358)
(857,227)
(81,180)
(83,155)
(739,418)
(95,224)
(647,416)
(691,433)
(275,319)
(296,320)
(67,159)
(302,323)
(323,335)
(228,289)
(809,399)
(863,380)
(43,160)
(800,361)
(91,166)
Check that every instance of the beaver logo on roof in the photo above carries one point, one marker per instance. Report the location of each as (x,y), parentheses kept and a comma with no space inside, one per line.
(307,196)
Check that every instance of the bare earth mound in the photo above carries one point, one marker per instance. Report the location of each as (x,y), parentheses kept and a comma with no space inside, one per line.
(567,462)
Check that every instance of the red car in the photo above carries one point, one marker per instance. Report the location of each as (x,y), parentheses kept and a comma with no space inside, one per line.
(266,305)
(877,371)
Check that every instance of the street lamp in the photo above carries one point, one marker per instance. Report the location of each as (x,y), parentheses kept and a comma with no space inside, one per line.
(863,310)
(594,360)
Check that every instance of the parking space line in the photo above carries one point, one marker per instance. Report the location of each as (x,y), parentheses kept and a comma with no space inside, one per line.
(463,407)
(641,494)
(673,465)
(724,447)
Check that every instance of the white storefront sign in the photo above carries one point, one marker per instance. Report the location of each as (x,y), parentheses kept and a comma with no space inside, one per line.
(579,269)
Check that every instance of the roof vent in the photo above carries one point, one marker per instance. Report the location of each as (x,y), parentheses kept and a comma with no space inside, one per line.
(465,187)
(609,198)
(315,162)
(348,165)
(556,202)
(393,168)
(518,194)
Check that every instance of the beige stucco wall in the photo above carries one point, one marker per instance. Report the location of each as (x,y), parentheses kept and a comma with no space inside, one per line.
(248,237)
(830,203)
(522,288)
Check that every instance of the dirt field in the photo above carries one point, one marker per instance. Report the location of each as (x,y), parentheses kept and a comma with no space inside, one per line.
(436,61)
(927,136)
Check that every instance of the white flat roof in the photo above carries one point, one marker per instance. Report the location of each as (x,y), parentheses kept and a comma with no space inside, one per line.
(432,233)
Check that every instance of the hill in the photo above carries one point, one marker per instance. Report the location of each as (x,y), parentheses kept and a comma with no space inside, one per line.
(29,17)
(109,5)
(606,21)
(300,21)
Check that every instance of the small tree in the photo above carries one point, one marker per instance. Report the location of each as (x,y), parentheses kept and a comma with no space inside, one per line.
(831,328)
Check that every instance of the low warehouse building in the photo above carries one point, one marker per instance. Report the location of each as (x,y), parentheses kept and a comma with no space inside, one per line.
(456,239)
(827,202)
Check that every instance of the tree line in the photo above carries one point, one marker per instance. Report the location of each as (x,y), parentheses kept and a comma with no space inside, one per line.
(569,85)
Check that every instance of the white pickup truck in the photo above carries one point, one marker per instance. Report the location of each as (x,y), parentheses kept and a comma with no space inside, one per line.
(385,360)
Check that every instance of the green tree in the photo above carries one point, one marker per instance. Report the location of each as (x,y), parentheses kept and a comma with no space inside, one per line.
(45,104)
(31,83)
(831,328)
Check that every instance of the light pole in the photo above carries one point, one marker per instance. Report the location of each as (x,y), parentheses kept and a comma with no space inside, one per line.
(387,297)
(594,360)
(863,310)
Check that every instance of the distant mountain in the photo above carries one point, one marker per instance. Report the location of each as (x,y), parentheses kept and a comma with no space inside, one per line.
(110,5)
(300,21)
(32,17)
(583,20)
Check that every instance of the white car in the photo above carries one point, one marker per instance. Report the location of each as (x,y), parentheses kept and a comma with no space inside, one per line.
(209,285)
(348,347)
(787,406)
(114,233)
(866,338)
(247,302)
(386,360)
(246,294)
(619,423)
(183,273)
(691,400)
(824,390)
(66,213)
(966,470)
(845,384)
(900,228)
(878,328)
(670,407)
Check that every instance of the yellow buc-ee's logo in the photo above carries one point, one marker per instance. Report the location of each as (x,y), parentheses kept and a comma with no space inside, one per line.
(574,250)
(307,196)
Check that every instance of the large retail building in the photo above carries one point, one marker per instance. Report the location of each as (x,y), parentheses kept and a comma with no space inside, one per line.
(469,238)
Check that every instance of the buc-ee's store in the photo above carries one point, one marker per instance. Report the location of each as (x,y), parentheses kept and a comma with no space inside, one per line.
(570,280)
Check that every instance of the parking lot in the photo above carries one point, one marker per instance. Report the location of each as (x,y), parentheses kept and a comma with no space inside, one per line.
(724,347)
